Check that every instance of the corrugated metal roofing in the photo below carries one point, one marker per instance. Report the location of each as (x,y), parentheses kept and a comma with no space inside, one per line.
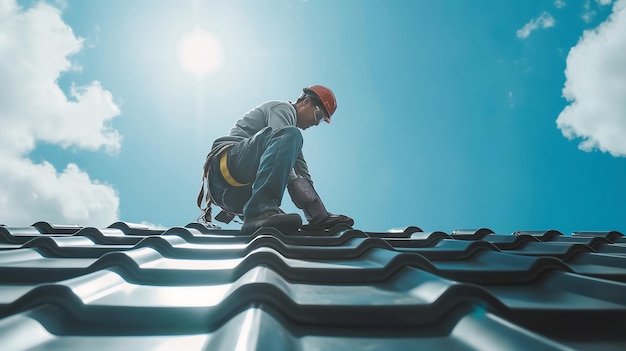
(198,288)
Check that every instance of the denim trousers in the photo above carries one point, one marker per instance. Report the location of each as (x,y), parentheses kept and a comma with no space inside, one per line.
(263,162)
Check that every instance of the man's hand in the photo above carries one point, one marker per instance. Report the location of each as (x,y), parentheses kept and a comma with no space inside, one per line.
(328,222)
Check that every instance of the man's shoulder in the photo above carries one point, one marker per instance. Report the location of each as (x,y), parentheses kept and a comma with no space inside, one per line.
(276,105)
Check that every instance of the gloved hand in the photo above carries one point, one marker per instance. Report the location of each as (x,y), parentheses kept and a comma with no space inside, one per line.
(328,221)
(306,198)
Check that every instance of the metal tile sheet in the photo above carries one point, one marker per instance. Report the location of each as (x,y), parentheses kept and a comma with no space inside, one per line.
(204,288)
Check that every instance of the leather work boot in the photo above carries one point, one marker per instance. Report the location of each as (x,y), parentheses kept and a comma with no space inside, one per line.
(285,222)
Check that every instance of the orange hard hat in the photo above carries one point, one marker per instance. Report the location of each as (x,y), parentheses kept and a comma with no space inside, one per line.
(325,95)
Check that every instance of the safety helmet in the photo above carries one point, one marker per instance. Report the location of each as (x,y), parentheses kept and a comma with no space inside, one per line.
(325,95)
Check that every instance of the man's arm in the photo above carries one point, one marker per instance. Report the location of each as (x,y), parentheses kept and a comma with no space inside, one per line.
(306,198)
(301,168)
(283,115)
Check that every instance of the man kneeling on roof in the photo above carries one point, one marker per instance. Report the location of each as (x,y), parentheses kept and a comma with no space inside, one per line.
(248,170)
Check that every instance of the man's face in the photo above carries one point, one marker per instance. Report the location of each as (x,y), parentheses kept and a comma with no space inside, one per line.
(310,114)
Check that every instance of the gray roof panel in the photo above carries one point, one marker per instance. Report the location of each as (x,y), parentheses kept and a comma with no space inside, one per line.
(197,288)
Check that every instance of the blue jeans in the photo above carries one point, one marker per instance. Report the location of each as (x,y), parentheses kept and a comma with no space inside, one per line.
(263,160)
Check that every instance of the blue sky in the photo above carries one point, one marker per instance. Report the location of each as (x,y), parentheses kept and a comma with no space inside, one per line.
(452,114)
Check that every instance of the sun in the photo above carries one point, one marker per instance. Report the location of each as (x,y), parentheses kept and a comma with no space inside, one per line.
(200,53)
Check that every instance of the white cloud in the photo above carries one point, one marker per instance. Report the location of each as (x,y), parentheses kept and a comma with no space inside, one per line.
(62,4)
(33,192)
(595,87)
(545,20)
(153,226)
(559,4)
(588,15)
(35,46)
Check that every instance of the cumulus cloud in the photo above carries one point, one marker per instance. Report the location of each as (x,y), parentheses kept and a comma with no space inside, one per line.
(559,4)
(36,46)
(595,87)
(153,226)
(33,192)
(545,20)
(588,14)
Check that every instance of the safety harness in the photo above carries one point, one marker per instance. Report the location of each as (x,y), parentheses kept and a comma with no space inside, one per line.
(226,173)
(224,216)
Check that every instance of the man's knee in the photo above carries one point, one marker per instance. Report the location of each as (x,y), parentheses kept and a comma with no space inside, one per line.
(263,134)
(291,134)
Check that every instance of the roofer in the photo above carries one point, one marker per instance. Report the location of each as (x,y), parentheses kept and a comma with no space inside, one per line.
(248,169)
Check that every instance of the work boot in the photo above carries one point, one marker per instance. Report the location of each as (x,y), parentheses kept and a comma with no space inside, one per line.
(284,222)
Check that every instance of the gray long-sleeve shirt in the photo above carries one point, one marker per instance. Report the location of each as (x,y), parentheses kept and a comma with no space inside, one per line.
(274,114)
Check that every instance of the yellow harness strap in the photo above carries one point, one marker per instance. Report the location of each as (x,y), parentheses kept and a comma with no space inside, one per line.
(225,173)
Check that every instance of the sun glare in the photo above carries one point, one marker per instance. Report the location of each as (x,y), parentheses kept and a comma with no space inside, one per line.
(200,53)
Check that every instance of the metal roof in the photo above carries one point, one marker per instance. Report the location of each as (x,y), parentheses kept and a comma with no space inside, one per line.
(197,288)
